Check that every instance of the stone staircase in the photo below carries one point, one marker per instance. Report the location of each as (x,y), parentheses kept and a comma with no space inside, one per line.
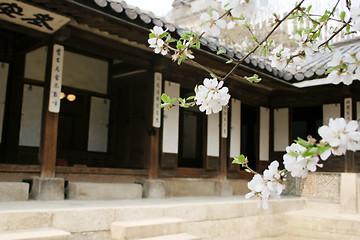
(163,228)
(35,234)
(312,224)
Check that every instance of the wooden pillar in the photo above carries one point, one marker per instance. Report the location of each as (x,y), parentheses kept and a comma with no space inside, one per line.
(223,158)
(154,131)
(223,143)
(154,153)
(49,126)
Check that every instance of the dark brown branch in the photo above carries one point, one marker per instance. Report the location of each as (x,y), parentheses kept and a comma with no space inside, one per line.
(264,40)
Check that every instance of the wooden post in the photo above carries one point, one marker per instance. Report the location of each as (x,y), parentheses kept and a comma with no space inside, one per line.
(154,153)
(223,158)
(49,126)
(154,129)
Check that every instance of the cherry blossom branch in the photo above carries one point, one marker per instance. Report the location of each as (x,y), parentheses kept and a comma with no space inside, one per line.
(264,40)
(334,34)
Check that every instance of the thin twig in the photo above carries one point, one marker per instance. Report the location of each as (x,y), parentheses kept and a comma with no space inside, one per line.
(264,40)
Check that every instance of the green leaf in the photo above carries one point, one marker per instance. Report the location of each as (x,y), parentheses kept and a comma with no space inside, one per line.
(164,97)
(254,38)
(324,18)
(164,34)
(342,15)
(247,170)
(181,100)
(303,142)
(322,149)
(196,88)
(310,152)
(213,75)
(348,28)
(152,35)
(247,25)
(309,8)
(190,98)
(221,51)
(239,160)
(198,44)
(230,61)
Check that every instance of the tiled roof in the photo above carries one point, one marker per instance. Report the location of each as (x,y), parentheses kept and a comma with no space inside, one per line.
(315,67)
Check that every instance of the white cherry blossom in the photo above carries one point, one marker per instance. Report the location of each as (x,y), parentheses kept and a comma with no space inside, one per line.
(270,185)
(303,45)
(348,68)
(341,135)
(259,189)
(279,57)
(212,23)
(156,42)
(298,165)
(212,96)
(232,22)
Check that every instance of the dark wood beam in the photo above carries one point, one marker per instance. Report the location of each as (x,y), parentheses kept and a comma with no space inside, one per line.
(49,126)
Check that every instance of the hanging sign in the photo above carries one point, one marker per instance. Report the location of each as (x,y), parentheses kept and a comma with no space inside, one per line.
(348,109)
(157,100)
(224,122)
(32,17)
(56,78)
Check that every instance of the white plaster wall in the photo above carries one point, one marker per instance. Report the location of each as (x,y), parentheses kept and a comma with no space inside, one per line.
(98,124)
(235,130)
(4,70)
(30,126)
(331,111)
(171,121)
(264,133)
(281,129)
(213,135)
(85,72)
(35,64)
(80,71)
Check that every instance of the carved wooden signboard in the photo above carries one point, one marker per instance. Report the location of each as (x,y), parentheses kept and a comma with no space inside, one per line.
(30,16)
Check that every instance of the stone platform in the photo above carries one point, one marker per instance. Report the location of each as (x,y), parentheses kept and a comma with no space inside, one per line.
(185,218)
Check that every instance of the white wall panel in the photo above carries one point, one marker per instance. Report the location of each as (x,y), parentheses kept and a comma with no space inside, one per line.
(264,133)
(213,135)
(35,64)
(331,111)
(79,71)
(98,124)
(84,72)
(281,129)
(4,70)
(171,121)
(235,130)
(30,126)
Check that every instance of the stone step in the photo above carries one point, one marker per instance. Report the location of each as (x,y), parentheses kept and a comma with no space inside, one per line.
(14,191)
(103,191)
(146,228)
(35,234)
(181,236)
(309,224)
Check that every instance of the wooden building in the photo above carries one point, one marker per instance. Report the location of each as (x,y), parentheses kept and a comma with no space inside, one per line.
(109,128)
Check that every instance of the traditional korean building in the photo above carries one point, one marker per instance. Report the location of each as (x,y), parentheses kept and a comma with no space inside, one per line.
(80,90)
